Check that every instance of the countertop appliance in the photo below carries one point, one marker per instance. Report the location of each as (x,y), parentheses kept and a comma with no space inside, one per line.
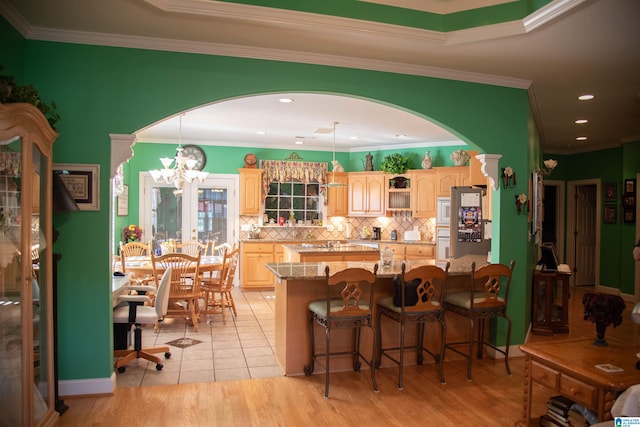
(376,233)
(470,233)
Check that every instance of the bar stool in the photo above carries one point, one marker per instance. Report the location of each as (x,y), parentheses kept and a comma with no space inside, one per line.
(347,305)
(482,301)
(418,299)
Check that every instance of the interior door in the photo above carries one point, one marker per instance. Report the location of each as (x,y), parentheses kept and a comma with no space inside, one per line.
(585,236)
(202,212)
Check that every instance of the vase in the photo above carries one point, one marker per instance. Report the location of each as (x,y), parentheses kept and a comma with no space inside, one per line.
(601,328)
(459,157)
(399,182)
(427,161)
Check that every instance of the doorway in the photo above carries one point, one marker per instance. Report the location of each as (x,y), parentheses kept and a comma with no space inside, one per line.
(200,211)
(553,229)
(583,223)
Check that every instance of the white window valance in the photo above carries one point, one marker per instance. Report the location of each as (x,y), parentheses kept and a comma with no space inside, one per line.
(288,171)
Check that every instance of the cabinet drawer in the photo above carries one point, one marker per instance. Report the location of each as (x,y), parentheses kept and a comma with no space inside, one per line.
(259,247)
(419,251)
(579,391)
(545,375)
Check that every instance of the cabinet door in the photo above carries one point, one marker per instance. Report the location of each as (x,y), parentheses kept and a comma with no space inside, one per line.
(357,195)
(250,191)
(337,197)
(256,274)
(375,188)
(446,178)
(419,252)
(423,194)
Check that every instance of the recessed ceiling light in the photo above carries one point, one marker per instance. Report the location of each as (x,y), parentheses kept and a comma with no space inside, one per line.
(586,97)
(299,142)
(581,121)
(581,138)
(401,136)
(261,132)
(285,100)
(353,137)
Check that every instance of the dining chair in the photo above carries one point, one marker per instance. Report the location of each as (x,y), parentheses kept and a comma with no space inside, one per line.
(136,249)
(418,299)
(348,304)
(185,284)
(135,313)
(217,292)
(219,249)
(485,298)
(192,247)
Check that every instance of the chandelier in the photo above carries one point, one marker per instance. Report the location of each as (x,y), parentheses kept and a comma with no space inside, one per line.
(182,170)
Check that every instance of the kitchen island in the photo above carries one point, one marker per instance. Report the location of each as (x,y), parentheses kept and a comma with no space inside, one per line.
(311,252)
(299,283)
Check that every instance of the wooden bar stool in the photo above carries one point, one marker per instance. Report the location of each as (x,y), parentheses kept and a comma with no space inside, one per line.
(348,305)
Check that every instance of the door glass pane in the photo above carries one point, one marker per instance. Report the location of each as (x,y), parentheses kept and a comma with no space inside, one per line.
(39,296)
(11,287)
(212,215)
(166,214)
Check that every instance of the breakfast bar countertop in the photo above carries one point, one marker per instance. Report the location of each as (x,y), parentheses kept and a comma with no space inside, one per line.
(315,270)
(323,248)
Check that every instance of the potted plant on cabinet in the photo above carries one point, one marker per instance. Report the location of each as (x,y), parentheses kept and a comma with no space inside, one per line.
(397,164)
(603,310)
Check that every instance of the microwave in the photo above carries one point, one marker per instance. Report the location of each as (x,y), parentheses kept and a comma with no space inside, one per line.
(443,215)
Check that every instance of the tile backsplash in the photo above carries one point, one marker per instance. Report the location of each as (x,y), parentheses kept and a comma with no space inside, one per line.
(336,228)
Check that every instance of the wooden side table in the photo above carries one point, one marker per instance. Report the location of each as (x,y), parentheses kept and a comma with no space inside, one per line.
(550,309)
(569,368)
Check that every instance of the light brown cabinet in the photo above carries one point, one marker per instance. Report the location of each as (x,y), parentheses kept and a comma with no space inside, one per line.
(405,252)
(423,193)
(450,177)
(27,396)
(253,272)
(366,194)
(250,191)
(338,197)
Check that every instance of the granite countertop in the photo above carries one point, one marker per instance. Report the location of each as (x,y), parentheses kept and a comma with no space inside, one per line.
(397,242)
(315,270)
(315,248)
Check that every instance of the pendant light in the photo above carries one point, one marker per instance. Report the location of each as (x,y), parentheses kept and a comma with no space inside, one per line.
(334,163)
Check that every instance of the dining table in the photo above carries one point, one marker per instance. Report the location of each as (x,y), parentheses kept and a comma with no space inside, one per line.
(142,265)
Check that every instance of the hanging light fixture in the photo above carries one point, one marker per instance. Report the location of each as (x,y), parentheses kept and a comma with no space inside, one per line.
(335,165)
(183,169)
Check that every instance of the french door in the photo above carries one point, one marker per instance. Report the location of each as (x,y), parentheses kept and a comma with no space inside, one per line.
(201,211)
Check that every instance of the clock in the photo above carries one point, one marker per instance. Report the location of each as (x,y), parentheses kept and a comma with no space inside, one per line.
(196,153)
(250,160)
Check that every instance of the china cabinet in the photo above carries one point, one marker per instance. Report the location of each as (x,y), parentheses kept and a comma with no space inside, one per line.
(26,323)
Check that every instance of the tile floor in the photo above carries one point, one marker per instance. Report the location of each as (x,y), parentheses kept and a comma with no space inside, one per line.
(241,349)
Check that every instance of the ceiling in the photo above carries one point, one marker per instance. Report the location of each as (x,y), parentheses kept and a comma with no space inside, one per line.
(562,50)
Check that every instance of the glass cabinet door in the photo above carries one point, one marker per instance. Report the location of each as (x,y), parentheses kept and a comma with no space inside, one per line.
(39,288)
(12,297)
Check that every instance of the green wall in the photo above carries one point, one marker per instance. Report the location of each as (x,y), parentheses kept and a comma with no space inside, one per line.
(104,90)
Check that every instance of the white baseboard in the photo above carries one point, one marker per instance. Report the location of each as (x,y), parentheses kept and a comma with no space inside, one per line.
(91,386)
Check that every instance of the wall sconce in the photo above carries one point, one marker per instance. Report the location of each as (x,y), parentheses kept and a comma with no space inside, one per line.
(522,203)
(547,167)
(508,175)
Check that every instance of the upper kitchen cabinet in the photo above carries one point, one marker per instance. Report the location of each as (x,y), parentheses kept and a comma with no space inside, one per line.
(366,194)
(423,193)
(448,177)
(337,196)
(250,191)
(398,193)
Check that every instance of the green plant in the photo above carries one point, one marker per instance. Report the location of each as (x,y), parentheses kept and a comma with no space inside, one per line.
(11,92)
(396,163)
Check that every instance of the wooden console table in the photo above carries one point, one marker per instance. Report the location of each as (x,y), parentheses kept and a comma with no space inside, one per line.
(568,367)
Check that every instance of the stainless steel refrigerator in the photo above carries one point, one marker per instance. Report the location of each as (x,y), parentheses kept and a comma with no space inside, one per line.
(470,232)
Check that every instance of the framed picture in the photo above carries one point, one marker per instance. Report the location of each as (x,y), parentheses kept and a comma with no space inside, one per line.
(610,192)
(83,183)
(628,200)
(123,201)
(630,187)
(629,214)
(610,214)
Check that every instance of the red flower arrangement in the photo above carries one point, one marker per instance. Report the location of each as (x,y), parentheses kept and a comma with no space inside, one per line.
(132,233)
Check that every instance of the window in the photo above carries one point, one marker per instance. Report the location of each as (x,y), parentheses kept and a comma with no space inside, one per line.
(303,200)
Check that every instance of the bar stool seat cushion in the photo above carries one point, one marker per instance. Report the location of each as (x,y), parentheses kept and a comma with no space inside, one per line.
(320,306)
(462,299)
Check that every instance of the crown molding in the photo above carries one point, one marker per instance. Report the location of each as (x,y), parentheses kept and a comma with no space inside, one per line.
(440,6)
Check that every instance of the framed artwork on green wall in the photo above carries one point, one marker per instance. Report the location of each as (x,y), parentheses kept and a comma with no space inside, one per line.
(610,214)
(629,187)
(610,192)
(629,214)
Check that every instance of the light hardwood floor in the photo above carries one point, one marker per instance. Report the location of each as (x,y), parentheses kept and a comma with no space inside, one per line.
(492,399)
